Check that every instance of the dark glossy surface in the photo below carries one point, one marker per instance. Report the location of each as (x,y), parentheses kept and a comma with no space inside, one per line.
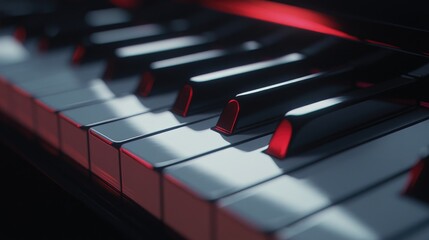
(306,126)
(269,103)
(212,90)
(250,51)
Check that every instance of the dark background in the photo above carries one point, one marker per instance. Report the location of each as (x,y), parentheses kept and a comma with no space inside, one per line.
(34,207)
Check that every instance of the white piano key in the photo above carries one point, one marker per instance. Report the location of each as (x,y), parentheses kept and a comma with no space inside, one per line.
(105,140)
(419,234)
(259,211)
(22,94)
(12,51)
(74,123)
(34,68)
(143,160)
(47,108)
(232,170)
(378,214)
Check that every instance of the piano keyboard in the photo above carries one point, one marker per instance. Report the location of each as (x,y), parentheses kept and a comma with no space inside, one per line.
(225,127)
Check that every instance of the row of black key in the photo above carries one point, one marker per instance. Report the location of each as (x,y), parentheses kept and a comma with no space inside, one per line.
(132,142)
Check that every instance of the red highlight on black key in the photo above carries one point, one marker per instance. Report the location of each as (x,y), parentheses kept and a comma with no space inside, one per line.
(78,54)
(419,180)
(20,34)
(183,101)
(146,84)
(279,143)
(126,3)
(228,118)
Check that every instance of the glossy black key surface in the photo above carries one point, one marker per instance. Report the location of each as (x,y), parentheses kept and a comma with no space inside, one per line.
(69,28)
(158,77)
(212,90)
(269,103)
(30,17)
(101,44)
(132,59)
(311,124)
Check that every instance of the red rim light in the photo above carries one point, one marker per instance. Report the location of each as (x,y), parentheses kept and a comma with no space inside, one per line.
(146,84)
(125,3)
(362,84)
(424,104)
(279,143)
(78,54)
(282,14)
(415,174)
(183,101)
(137,158)
(20,34)
(228,118)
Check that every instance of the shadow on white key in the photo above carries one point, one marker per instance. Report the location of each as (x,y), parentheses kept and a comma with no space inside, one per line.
(204,180)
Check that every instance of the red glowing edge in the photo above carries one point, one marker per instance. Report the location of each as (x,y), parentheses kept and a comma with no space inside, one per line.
(281,14)
(125,3)
(228,118)
(381,44)
(70,121)
(102,138)
(280,140)
(78,54)
(415,173)
(20,34)
(44,106)
(20,91)
(183,101)
(424,104)
(137,158)
(146,84)
(362,84)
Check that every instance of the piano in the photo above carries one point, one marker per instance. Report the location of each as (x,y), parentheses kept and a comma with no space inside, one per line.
(244,119)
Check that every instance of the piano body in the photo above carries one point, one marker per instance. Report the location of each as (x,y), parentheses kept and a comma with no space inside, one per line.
(242,119)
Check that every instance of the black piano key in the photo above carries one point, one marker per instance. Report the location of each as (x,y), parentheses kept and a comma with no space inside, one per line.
(213,89)
(101,44)
(34,24)
(69,28)
(157,78)
(132,59)
(231,171)
(14,12)
(267,104)
(311,124)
